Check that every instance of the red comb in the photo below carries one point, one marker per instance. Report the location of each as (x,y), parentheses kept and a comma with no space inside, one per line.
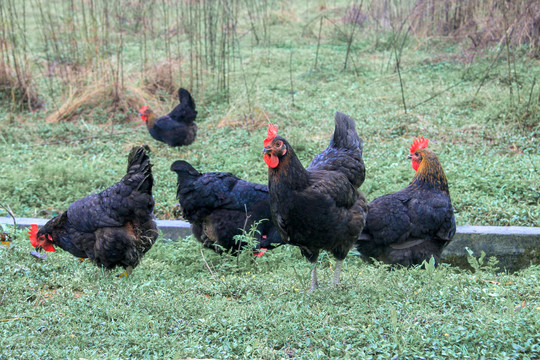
(143,109)
(32,234)
(272,132)
(418,143)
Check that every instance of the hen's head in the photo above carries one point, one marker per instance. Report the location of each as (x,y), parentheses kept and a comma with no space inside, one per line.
(39,239)
(145,112)
(417,151)
(275,147)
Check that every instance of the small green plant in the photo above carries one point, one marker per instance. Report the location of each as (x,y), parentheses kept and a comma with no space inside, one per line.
(480,263)
(247,243)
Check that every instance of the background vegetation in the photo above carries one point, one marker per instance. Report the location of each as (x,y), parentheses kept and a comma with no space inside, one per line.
(73,74)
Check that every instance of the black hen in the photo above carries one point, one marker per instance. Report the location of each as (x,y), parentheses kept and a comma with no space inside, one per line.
(178,127)
(114,227)
(219,205)
(415,223)
(318,208)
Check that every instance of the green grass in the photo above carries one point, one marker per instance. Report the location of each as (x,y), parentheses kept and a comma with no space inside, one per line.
(173,307)
(492,163)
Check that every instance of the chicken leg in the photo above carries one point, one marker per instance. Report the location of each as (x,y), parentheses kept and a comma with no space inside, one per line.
(314,283)
(337,273)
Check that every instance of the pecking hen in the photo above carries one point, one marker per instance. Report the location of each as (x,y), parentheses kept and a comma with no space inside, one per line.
(114,227)
(415,223)
(318,208)
(178,128)
(219,205)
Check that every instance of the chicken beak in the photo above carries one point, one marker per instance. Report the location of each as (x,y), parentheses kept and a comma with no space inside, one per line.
(267,150)
(409,156)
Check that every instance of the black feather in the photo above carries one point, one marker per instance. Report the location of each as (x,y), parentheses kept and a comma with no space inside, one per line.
(220,205)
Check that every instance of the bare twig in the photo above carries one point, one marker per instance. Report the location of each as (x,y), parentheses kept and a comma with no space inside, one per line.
(207,266)
(508,61)
(17,318)
(351,37)
(318,43)
(291,78)
(245,224)
(244,77)
(491,66)
(437,94)
(398,67)
(531,92)
(8,209)
(247,217)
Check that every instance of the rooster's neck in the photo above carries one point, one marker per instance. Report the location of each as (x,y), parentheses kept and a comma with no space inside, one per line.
(289,173)
(151,120)
(431,174)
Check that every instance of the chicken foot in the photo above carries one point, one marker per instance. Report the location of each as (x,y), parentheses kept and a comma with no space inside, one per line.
(126,273)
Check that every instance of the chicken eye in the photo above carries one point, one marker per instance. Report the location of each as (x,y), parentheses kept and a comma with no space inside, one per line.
(279,144)
(415,154)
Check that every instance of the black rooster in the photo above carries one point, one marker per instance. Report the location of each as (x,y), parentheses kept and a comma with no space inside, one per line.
(178,127)
(318,208)
(415,223)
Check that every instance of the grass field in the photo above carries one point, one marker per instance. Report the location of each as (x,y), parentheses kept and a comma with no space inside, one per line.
(172,307)
(479,106)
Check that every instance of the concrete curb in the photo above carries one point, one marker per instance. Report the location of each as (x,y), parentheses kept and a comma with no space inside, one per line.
(171,229)
(515,247)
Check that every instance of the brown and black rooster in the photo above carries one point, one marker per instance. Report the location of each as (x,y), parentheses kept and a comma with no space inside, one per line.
(115,227)
(220,205)
(318,208)
(178,128)
(415,223)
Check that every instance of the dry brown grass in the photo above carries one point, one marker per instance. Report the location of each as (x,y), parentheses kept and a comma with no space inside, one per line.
(257,119)
(164,77)
(18,88)
(482,22)
(105,96)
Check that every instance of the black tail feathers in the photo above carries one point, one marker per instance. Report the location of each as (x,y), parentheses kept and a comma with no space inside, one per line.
(345,135)
(139,162)
(185,97)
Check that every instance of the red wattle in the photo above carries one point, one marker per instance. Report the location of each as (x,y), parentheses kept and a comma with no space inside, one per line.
(271,160)
(47,246)
(415,165)
(261,253)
